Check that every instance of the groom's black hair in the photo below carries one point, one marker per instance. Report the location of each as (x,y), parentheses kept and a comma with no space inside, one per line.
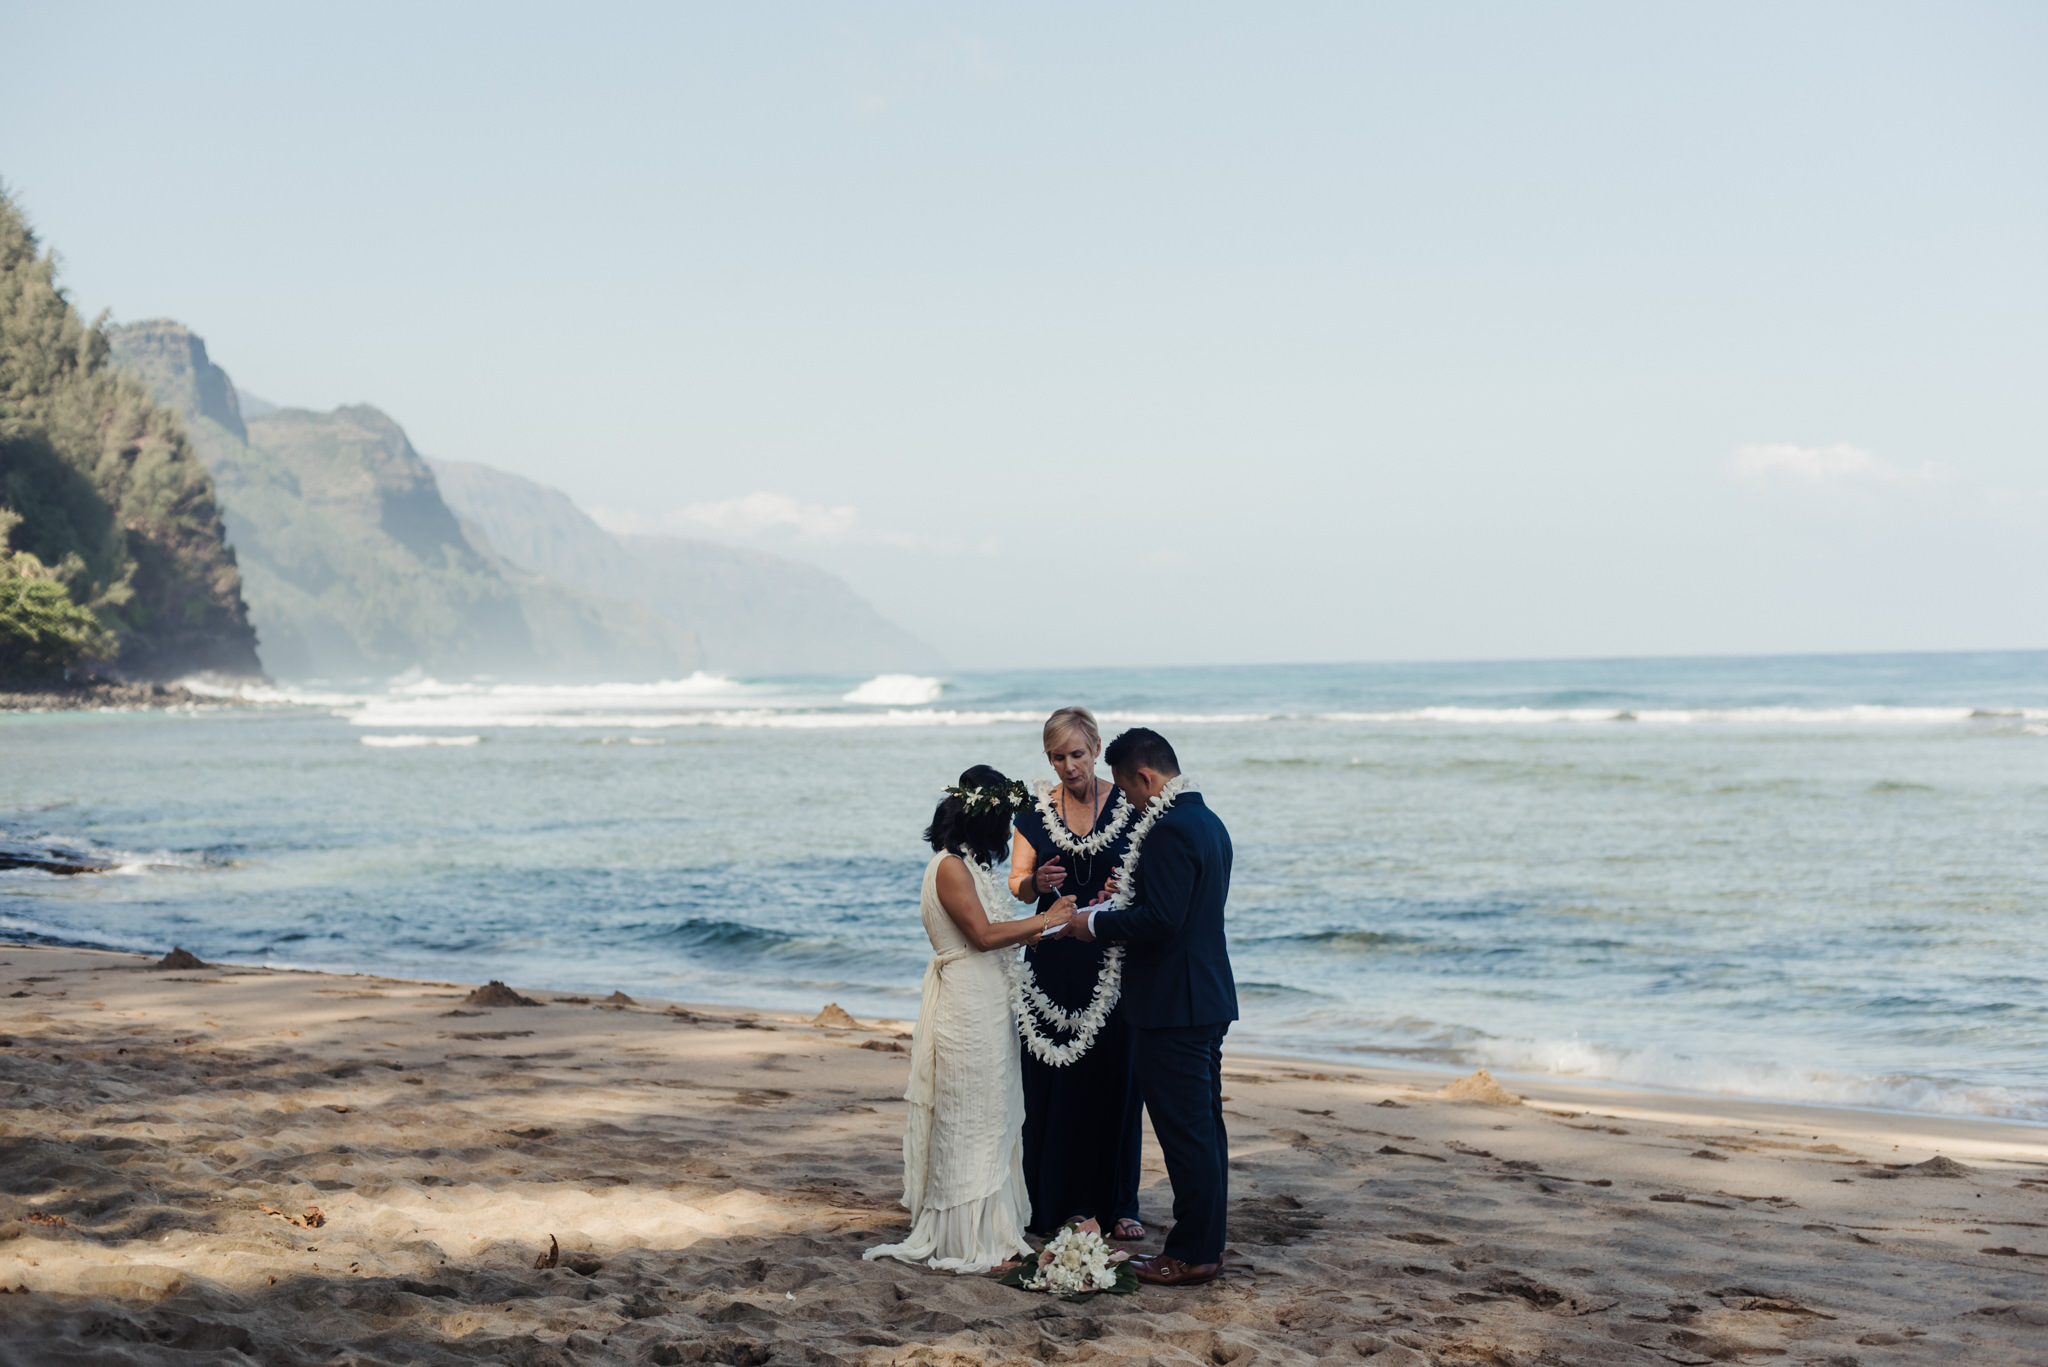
(982,835)
(1142,748)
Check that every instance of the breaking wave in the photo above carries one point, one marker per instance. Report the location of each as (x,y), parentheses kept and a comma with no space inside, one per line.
(1671,1070)
(412,742)
(414,704)
(897,690)
(1856,715)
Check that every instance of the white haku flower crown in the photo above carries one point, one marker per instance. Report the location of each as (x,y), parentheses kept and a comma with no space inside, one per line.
(1009,798)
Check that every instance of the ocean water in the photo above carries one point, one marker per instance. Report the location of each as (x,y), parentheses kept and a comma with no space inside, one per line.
(1822,879)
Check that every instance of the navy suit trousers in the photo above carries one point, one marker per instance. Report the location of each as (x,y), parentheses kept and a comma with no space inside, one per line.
(1180,1073)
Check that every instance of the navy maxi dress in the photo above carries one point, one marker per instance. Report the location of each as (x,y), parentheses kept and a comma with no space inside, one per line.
(1081,1122)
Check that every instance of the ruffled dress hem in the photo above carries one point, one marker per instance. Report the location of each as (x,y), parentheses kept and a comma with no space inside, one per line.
(989,1231)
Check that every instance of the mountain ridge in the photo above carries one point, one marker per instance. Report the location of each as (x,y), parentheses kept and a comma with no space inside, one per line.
(354,564)
(755,612)
(360,557)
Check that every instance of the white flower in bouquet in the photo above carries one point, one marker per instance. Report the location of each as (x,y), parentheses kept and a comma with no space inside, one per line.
(1074,1261)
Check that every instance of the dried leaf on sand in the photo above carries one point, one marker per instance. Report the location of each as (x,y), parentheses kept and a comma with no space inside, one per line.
(551,1258)
(312,1219)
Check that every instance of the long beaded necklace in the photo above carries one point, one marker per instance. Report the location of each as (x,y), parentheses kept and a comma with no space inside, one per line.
(1085,876)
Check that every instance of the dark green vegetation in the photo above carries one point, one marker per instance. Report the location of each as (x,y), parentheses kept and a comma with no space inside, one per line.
(354,564)
(115,551)
(42,631)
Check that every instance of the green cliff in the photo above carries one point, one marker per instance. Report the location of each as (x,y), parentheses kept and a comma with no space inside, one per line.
(355,566)
(110,503)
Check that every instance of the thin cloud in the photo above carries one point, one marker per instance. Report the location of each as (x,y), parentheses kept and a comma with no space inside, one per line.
(765,515)
(1840,466)
(1844,476)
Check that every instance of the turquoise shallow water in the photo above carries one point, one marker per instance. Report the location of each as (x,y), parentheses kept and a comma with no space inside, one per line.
(1821,879)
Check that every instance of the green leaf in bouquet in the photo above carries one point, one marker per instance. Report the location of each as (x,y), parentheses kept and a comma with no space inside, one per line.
(1126,1284)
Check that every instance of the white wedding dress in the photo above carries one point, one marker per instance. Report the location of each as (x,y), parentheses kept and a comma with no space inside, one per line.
(963,1144)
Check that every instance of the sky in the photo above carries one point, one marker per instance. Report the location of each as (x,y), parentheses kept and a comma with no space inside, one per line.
(1144,333)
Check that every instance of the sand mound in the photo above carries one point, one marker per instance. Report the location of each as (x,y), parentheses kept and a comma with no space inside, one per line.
(619,999)
(181,958)
(495,993)
(1480,1086)
(1938,1166)
(834,1017)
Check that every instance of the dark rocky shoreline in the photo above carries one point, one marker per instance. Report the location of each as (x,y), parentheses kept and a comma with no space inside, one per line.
(91,695)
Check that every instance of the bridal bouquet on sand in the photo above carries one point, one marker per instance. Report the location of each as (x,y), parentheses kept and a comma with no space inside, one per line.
(1076,1264)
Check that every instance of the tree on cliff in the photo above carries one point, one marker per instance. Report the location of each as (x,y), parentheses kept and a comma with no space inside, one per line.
(111,501)
(42,632)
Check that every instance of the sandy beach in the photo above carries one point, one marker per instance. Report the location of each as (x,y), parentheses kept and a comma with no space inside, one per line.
(225,1165)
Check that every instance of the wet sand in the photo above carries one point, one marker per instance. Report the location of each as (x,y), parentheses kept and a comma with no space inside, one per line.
(709,1177)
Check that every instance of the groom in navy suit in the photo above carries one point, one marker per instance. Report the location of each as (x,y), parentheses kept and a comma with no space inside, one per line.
(1179,997)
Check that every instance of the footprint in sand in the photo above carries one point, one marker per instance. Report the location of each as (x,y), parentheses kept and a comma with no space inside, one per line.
(1278,1220)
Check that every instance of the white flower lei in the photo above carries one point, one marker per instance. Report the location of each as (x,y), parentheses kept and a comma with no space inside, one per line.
(1028,1001)
(1063,836)
(1154,809)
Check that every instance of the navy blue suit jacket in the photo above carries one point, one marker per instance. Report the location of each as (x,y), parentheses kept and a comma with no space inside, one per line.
(1176,967)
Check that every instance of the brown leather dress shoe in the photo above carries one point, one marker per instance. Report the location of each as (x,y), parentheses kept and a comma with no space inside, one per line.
(1156,1269)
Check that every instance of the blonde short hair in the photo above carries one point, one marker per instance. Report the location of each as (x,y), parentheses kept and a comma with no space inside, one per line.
(1069,719)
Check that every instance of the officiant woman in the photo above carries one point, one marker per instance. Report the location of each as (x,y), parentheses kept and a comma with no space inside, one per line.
(1081,1126)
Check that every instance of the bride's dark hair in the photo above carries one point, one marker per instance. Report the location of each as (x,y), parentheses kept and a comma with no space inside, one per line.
(975,835)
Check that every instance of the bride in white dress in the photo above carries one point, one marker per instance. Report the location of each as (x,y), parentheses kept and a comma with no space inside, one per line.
(963,1144)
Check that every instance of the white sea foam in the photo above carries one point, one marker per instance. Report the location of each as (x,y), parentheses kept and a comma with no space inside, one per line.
(615,706)
(411,742)
(1669,1069)
(385,714)
(272,693)
(1183,718)
(528,711)
(896,700)
(897,690)
(697,685)
(1858,715)
(672,702)
(1481,716)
